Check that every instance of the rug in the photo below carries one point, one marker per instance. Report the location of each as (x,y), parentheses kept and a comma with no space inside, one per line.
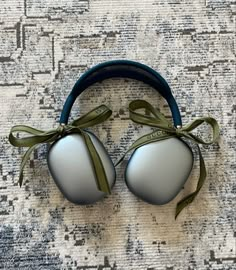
(45,46)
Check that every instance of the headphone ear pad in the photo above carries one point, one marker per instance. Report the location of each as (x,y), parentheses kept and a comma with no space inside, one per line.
(156,172)
(72,170)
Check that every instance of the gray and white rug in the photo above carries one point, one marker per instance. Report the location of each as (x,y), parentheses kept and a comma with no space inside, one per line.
(44,47)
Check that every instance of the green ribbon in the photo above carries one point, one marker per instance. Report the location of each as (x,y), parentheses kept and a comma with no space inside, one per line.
(154,118)
(94,117)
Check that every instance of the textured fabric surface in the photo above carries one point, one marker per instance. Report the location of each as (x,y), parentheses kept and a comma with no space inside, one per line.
(44,47)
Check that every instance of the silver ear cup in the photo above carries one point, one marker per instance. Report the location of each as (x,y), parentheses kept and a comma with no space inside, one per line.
(157,171)
(71,168)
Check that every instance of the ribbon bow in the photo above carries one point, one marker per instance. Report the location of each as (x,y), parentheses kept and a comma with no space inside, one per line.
(94,117)
(165,131)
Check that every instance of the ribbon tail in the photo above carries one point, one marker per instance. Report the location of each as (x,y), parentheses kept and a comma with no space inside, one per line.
(101,178)
(183,203)
(121,159)
(189,198)
(23,163)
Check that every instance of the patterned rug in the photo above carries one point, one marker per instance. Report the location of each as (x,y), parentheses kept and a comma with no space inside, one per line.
(44,48)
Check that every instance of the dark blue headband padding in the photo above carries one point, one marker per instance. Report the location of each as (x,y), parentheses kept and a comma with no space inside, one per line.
(123,69)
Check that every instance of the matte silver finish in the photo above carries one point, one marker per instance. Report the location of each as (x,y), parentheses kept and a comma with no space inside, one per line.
(71,168)
(157,171)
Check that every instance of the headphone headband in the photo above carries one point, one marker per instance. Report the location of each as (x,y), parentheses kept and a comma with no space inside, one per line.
(123,69)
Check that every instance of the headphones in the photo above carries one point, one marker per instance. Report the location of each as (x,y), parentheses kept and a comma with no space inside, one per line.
(159,165)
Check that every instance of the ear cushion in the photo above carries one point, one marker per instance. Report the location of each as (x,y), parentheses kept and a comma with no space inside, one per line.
(71,168)
(157,171)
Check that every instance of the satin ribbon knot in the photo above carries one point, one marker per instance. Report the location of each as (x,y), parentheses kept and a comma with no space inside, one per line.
(165,130)
(94,117)
(62,128)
